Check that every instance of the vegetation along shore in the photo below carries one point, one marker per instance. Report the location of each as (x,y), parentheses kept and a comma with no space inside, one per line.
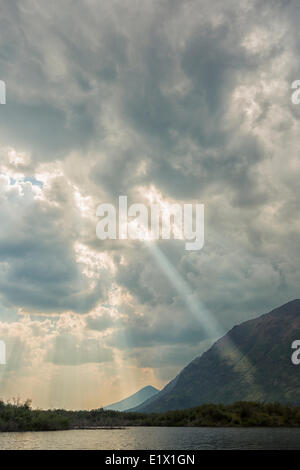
(21,417)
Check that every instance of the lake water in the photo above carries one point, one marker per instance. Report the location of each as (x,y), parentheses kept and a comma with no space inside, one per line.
(155,438)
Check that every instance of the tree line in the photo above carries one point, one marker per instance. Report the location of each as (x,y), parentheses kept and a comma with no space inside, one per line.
(17,416)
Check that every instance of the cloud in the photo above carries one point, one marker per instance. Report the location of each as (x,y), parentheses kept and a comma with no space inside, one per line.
(101,322)
(188,99)
(68,350)
(39,272)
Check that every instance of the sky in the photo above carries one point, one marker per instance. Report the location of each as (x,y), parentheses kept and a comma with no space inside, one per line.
(172,101)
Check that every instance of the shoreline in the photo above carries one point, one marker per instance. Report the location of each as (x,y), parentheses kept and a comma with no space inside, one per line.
(15,418)
(117,428)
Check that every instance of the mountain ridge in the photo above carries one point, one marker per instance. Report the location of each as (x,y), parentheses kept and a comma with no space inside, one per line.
(252,361)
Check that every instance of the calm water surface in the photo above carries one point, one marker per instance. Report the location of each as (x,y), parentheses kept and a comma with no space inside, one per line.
(155,438)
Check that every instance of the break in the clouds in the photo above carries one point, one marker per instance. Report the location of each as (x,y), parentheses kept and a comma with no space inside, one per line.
(170,101)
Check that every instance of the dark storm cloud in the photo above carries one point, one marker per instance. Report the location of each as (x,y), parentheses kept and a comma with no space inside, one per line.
(187,331)
(164,356)
(52,131)
(39,269)
(57,77)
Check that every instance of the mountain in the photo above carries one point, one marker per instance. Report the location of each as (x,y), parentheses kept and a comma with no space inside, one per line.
(251,362)
(134,400)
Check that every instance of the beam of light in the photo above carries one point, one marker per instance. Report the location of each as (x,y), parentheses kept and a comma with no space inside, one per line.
(211,327)
(127,381)
(194,305)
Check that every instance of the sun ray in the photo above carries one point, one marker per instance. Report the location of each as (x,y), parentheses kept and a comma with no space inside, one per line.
(207,320)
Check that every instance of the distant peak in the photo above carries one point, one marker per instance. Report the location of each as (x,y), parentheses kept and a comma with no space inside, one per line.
(149,387)
(134,400)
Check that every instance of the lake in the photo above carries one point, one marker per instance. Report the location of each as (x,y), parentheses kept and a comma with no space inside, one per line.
(155,438)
